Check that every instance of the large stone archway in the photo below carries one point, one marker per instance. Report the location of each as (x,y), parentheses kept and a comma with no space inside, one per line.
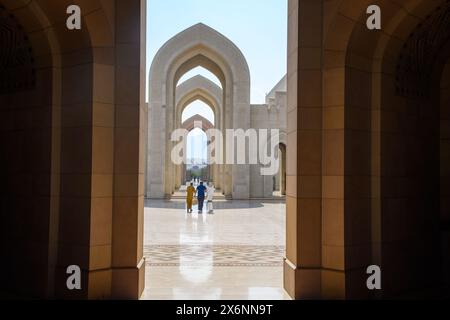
(203,89)
(342,206)
(73,174)
(205,47)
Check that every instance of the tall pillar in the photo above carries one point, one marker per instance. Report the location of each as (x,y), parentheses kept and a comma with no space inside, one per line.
(328,163)
(283,172)
(128,265)
(178,177)
(303,265)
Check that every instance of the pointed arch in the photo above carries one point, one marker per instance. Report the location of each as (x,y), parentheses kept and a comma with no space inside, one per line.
(203,89)
(202,46)
(199,122)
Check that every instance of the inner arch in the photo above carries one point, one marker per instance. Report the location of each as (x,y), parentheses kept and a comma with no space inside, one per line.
(203,62)
(200,108)
(200,71)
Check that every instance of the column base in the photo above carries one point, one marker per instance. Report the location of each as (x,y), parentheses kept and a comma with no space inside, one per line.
(302,284)
(128,283)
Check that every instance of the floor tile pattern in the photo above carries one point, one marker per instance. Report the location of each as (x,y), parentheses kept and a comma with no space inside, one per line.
(215,255)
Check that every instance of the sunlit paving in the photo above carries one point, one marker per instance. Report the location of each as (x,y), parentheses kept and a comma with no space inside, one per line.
(236,253)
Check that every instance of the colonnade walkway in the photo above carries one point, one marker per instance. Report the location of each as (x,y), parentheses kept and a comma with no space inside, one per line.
(180,194)
(237,253)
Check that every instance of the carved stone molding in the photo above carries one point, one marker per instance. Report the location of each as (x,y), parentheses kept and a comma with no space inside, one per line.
(420,52)
(17,70)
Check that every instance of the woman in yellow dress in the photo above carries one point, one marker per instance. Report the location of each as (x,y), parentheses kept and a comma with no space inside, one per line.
(190,192)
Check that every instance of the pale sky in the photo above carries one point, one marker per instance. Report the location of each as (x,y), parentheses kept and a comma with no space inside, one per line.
(257,27)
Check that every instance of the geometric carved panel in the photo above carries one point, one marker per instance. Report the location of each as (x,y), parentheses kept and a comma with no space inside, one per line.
(420,52)
(17,70)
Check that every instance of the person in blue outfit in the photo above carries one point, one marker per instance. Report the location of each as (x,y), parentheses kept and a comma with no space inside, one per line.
(201,190)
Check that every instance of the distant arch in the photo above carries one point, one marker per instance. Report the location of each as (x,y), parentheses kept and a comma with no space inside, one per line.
(200,71)
(199,88)
(199,122)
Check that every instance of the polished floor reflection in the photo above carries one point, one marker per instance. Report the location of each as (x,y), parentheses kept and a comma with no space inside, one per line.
(237,253)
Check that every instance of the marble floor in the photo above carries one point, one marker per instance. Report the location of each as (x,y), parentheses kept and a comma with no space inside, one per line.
(235,254)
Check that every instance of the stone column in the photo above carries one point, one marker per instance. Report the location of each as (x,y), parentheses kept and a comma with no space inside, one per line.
(303,265)
(128,265)
(183,175)
(178,177)
(87,169)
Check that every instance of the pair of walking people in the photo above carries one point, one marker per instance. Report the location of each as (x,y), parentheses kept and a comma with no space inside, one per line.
(202,193)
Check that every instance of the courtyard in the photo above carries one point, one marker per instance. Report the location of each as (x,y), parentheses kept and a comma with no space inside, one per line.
(237,253)
(86,118)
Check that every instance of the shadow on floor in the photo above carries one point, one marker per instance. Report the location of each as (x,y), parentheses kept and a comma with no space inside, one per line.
(231,204)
